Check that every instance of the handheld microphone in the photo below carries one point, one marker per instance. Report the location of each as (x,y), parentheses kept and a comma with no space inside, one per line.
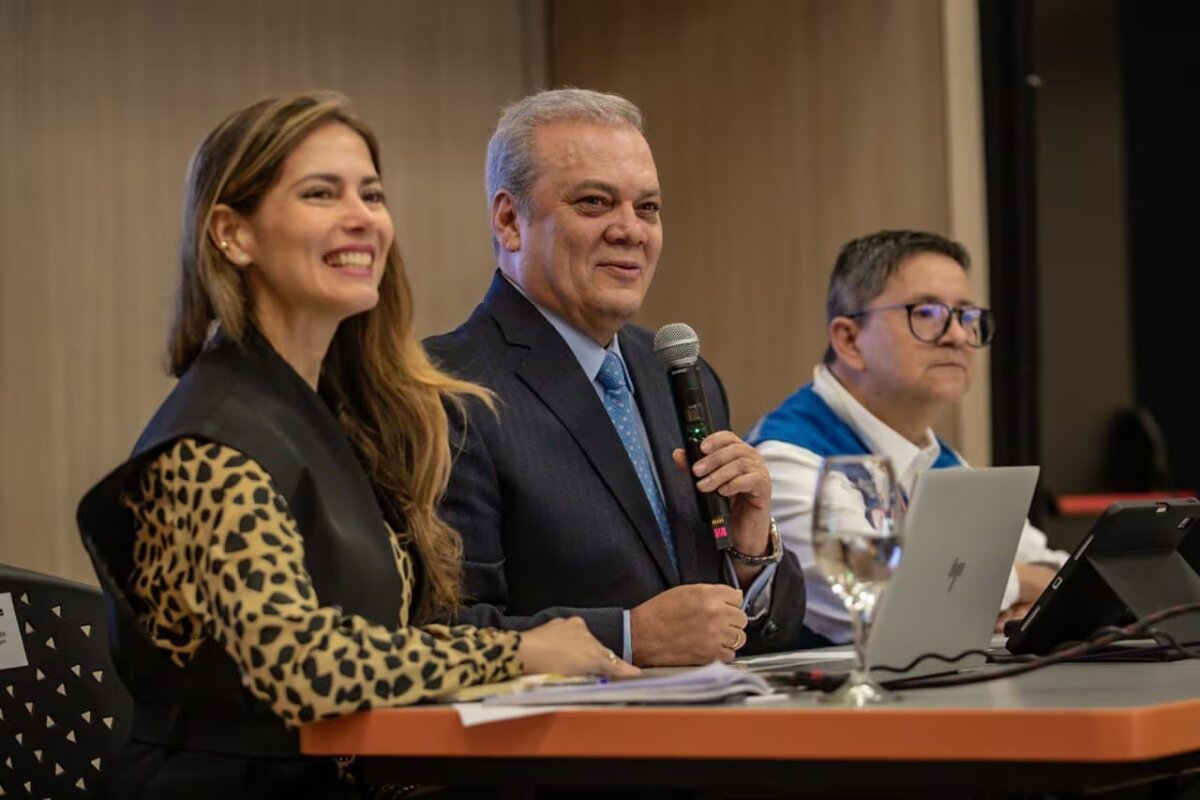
(678,348)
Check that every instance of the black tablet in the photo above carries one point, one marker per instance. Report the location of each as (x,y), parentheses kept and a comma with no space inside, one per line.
(1138,558)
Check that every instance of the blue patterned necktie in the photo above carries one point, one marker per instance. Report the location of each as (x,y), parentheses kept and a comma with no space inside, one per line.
(618,402)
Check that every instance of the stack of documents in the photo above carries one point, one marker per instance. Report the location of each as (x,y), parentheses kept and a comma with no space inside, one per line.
(716,683)
(830,659)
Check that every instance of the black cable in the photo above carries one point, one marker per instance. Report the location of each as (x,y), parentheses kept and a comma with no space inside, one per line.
(1169,642)
(1157,652)
(947,659)
(1101,638)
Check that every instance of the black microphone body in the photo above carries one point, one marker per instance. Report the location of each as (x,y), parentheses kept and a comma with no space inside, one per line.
(695,423)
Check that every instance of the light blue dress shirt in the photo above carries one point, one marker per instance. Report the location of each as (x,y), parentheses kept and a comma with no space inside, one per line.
(590,356)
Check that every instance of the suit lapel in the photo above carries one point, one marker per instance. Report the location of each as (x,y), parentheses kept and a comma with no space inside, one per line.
(662,428)
(551,372)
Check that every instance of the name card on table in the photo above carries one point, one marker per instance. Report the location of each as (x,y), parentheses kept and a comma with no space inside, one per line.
(12,646)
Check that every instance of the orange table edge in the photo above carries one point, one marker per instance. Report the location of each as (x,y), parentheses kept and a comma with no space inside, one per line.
(786,733)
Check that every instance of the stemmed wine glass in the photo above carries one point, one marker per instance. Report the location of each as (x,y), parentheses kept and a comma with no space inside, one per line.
(858,513)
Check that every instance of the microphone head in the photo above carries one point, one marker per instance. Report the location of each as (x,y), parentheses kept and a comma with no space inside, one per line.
(676,345)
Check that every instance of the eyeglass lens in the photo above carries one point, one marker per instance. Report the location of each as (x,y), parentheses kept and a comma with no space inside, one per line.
(930,321)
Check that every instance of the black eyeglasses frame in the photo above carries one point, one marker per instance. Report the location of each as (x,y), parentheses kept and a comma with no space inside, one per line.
(951,313)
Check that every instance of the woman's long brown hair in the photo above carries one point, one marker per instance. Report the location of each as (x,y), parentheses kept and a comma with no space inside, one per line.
(390,400)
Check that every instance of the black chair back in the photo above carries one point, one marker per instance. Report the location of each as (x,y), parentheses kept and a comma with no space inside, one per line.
(64,714)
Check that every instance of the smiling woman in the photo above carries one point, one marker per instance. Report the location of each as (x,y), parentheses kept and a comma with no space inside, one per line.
(270,545)
(317,242)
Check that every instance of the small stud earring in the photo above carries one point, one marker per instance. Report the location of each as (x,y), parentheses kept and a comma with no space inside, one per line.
(243,258)
(224,245)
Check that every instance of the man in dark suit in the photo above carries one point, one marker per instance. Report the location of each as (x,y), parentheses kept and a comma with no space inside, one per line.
(574,498)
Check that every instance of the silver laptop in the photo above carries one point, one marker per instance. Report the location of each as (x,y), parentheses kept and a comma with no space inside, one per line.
(961,534)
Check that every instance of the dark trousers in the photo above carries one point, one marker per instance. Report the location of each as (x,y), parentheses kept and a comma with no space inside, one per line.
(142,771)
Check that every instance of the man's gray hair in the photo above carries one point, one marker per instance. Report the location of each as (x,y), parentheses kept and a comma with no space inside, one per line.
(864,266)
(511,161)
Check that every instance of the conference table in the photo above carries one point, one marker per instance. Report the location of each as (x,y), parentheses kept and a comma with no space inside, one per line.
(1069,727)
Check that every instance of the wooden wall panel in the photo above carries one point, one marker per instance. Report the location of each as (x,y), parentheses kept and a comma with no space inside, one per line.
(101,105)
(781,130)
(966,188)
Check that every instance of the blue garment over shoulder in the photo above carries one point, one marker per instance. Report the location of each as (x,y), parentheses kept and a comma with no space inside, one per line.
(806,420)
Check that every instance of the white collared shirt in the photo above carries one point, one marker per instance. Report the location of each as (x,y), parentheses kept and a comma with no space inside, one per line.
(794,482)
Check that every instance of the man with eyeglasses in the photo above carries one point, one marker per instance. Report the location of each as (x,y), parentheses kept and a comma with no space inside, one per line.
(903,331)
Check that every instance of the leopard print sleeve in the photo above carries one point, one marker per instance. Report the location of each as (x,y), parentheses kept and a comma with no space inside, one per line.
(202,574)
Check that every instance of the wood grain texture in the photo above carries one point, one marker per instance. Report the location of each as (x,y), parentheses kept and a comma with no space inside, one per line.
(781,130)
(967,203)
(101,105)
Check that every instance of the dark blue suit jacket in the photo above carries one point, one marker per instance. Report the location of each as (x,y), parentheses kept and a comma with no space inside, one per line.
(554,520)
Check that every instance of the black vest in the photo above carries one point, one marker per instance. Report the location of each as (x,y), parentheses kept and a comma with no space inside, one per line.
(248,398)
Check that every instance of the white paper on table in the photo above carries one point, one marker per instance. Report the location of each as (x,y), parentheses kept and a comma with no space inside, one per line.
(714,683)
(471,714)
(792,658)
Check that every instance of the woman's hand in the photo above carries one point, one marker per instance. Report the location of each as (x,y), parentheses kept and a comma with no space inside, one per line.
(566,647)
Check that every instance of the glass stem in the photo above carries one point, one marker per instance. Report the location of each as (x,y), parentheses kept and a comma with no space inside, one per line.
(860,648)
